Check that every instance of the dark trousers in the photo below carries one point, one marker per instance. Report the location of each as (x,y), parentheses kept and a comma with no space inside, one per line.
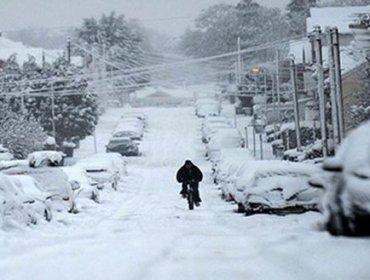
(195,187)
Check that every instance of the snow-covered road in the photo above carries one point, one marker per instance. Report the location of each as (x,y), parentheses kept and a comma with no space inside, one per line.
(144,231)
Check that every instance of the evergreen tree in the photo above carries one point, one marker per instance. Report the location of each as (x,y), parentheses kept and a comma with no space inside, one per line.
(219,26)
(20,132)
(297,13)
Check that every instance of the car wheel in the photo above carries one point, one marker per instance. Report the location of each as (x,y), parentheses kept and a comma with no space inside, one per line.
(241,208)
(48,214)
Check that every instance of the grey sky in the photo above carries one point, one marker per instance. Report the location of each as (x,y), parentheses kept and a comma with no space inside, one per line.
(169,16)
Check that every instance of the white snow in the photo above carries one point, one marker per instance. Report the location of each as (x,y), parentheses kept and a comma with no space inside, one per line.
(144,230)
(340,17)
(8,47)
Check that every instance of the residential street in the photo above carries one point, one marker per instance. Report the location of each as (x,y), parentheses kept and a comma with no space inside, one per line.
(144,231)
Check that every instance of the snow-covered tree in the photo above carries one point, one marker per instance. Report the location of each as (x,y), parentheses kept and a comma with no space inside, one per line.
(20,132)
(120,40)
(297,13)
(76,112)
(219,26)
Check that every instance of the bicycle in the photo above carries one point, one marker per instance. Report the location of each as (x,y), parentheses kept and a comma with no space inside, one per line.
(190,196)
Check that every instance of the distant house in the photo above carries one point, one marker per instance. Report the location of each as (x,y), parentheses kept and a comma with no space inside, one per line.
(340,17)
(9,47)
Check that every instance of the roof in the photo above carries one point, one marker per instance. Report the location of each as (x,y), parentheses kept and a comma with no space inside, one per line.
(350,59)
(340,17)
(9,47)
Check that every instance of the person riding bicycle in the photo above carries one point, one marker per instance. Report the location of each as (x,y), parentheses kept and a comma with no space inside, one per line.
(190,174)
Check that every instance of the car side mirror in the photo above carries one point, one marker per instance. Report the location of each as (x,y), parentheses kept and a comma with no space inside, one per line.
(316,182)
(332,165)
(75,185)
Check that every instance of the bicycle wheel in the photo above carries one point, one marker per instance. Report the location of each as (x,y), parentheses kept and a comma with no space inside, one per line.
(191,199)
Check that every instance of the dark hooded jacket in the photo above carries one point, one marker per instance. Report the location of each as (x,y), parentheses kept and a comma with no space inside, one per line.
(192,174)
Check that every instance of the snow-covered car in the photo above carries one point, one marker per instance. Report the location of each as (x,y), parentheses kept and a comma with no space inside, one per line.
(207,106)
(123,145)
(211,128)
(223,139)
(229,168)
(129,129)
(345,181)
(51,180)
(46,158)
(5,154)
(104,170)
(214,119)
(276,187)
(134,114)
(84,188)
(132,121)
(22,202)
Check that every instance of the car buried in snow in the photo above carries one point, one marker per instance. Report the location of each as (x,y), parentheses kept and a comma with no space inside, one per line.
(345,182)
(123,145)
(104,169)
(276,187)
(22,201)
(207,107)
(51,180)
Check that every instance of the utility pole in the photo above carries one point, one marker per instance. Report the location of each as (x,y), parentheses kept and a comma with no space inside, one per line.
(338,81)
(69,50)
(53,110)
(239,65)
(333,98)
(293,77)
(320,80)
(261,146)
(246,138)
(277,60)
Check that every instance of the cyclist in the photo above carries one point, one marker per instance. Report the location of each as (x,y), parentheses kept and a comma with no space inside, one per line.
(190,174)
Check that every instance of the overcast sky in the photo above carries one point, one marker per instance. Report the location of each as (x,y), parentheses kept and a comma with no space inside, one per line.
(168,16)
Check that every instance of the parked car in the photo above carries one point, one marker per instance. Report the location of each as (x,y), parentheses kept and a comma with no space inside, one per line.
(103,170)
(345,181)
(123,145)
(134,114)
(211,128)
(276,187)
(22,201)
(51,180)
(228,168)
(207,106)
(83,184)
(222,139)
(128,130)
